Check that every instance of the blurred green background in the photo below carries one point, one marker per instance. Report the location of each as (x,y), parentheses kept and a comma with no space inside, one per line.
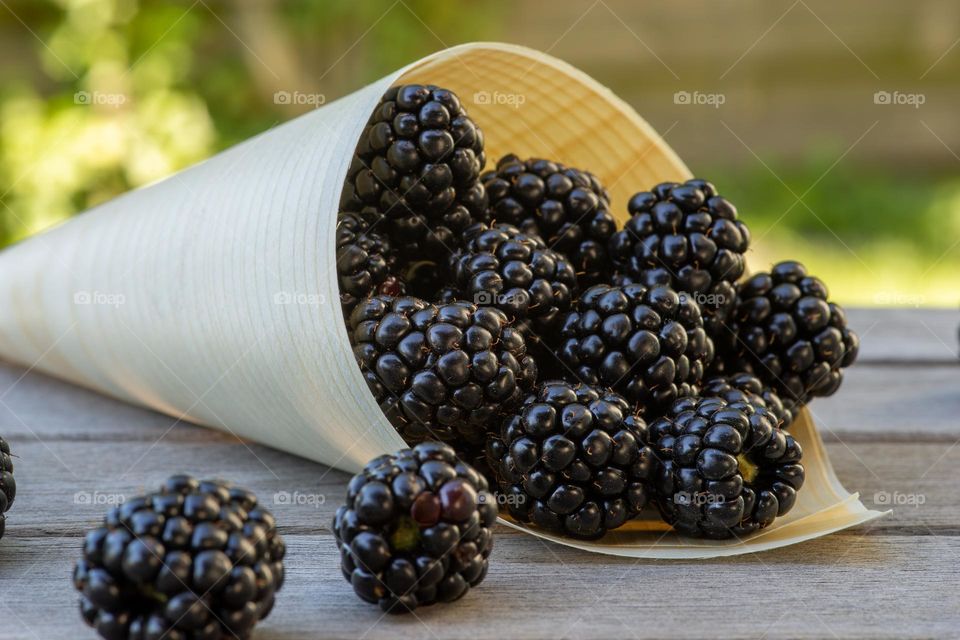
(832,126)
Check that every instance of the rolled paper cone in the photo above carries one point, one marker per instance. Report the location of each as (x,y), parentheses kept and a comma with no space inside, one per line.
(212,295)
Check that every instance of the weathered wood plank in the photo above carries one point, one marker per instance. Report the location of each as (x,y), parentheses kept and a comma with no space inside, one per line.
(852,586)
(912,335)
(893,402)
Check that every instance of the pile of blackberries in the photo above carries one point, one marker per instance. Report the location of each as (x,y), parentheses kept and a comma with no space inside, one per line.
(586,368)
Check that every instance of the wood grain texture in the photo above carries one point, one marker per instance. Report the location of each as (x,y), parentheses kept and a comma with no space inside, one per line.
(898,336)
(892,434)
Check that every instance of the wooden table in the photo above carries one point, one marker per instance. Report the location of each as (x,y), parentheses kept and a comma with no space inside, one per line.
(893,431)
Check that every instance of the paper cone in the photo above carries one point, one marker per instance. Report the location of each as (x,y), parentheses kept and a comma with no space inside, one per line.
(212,296)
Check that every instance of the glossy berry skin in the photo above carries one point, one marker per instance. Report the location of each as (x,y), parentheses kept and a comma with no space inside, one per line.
(365,262)
(746,387)
(416,529)
(192,560)
(8,486)
(443,372)
(567,207)
(648,344)
(418,162)
(516,273)
(687,237)
(573,460)
(726,470)
(789,335)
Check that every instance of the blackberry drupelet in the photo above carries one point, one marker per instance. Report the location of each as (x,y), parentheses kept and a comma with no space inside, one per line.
(418,162)
(8,486)
(725,469)
(365,262)
(573,460)
(688,237)
(648,344)
(516,273)
(746,387)
(193,560)
(416,529)
(790,336)
(442,372)
(567,207)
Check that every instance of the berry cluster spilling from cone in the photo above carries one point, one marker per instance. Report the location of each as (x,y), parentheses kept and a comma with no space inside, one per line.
(590,371)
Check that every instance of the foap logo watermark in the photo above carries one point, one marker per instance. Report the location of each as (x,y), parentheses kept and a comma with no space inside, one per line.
(504,499)
(299,298)
(299,98)
(487,298)
(97,498)
(899,98)
(299,499)
(897,499)
(99,98)
(101,298)
(699,98)
(697,498)
(703,299)
(515,100)
(887,299)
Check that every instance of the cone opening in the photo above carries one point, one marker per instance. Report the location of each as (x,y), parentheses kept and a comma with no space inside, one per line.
(534,105)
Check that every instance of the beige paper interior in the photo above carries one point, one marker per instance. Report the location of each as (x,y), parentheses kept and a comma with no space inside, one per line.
(212,295)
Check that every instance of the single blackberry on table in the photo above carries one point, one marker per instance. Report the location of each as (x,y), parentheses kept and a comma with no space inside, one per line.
(789,335)
(573,459)
(647,343)
(746,387)
(442,372)
(365,262)
(687,237)
(8,486)
(567,207)
(416,528)
(516,273)
(725,469)
(192,560)
(418,162)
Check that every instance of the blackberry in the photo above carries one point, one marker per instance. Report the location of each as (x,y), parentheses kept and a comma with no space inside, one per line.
(648,344)
(725,469)
(567,207)
(418,162)
(687,237)
(365,262)
(745,387)
(425,278)
(573,460)
(192,560)
(440,372)
(790,336)
(416,529)
(8,486)
(516,273)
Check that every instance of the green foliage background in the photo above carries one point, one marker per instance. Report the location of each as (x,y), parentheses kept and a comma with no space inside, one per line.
(101,96)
